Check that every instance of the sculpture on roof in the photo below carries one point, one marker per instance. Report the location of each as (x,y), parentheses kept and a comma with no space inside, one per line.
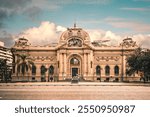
(74,42)
(128,42)
(22,42)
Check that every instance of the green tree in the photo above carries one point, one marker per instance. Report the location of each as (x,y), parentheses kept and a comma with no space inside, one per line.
(24,63)
(139,61)
(2,69)
(5,71)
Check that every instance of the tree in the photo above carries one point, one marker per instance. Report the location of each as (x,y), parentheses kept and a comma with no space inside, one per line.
(5,71)
(24,63)
(2,69)
(139,62)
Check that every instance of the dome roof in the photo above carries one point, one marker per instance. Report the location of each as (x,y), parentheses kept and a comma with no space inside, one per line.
(74,32)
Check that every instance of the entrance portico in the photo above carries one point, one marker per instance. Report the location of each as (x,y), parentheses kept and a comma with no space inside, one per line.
(74,65)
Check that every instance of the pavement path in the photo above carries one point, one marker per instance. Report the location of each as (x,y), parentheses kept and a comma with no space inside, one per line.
(70,84)
(80,91)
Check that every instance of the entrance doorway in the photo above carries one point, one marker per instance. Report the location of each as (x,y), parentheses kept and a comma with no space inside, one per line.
(74,72)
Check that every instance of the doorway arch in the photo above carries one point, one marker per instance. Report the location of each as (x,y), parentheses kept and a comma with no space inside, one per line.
(75,65)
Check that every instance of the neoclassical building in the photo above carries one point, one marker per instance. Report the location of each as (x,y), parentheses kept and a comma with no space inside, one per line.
(75,56)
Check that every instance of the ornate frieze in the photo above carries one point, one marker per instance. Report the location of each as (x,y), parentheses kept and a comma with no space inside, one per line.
(43,58)
(107,58)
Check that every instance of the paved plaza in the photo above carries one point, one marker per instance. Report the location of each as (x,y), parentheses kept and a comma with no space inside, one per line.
(80,91)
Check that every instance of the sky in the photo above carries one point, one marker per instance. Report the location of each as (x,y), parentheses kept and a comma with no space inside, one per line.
(43,21)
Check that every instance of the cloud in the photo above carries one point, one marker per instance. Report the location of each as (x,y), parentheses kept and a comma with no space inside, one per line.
(135,26)
(13,4)
(93,1)
(48,4)
(9,8)
(136,9)
(32,9)
(3,15)
(113,38)
(89,22)
(45,34)
(7,38)
(49,32)
(142,40)
(33,13)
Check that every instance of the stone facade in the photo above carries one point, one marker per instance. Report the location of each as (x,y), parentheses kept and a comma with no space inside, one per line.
(75,55)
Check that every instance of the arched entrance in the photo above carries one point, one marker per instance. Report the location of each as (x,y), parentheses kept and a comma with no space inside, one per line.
(75,66)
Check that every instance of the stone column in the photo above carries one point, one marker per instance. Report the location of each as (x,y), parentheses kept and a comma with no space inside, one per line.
(60,64)
(124,65)
(112,75)
(65,65)
(85,67)
(89,64)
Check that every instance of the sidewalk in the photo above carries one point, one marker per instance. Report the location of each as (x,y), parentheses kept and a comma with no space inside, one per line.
(74,84)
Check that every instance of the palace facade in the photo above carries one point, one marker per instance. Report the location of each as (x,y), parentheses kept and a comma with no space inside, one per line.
(74,56)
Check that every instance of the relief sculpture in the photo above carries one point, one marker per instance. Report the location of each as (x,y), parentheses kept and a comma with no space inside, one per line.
(74,43)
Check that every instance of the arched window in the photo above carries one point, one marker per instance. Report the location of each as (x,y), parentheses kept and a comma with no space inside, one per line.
(51,70)
(33,69)
(98,70)
(107,70)
(74,61)
(116,70)
(43,69)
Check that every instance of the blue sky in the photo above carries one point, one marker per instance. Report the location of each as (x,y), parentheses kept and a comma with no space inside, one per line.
(122,17)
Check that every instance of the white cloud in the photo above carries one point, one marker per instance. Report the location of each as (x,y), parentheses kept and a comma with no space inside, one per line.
(136,9)
(135,26)
(113,38)
(142,40)
(49,32)
(46,33)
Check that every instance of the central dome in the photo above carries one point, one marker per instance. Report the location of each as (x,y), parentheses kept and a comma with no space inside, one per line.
(74,32)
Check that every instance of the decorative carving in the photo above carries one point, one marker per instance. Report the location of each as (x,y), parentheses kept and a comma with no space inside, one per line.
(98,58)
(22,42)
(51,58)
(75,42)
(42,58)
(128,42)
(107,58)
(70,33)
(79,33)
